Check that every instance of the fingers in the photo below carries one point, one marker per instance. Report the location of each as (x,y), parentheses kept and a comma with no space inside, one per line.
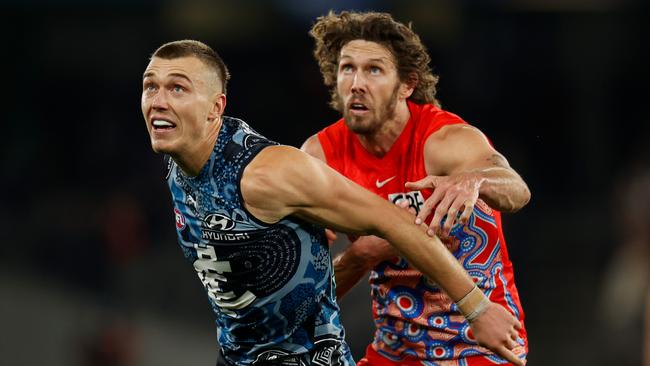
(428,182)
(405,205)
(467,211)
(440,212)
(495,329)
(505,351)
(452,214)
(428,206)
(512,343)
(467,207)
(514,335)
(509,355)
(402,204)
(451,195)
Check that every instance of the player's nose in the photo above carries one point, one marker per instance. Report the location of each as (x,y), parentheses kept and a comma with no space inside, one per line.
(159,101)
(358,83)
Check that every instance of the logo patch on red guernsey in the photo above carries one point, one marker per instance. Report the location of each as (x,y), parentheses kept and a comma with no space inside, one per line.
(414,198)
(180,219)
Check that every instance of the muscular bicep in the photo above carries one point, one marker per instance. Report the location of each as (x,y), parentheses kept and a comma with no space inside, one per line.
(459,148)
(333,200)
(283,181)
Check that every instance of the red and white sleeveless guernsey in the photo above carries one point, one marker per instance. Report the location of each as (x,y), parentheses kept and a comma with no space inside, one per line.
(416,323)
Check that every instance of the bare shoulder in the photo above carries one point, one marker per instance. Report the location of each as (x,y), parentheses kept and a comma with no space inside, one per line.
(274,154)
(453,146)
(313,147)
(457,134)
(273,166)
(267,181)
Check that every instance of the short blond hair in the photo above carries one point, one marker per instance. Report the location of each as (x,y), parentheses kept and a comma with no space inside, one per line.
(200,50)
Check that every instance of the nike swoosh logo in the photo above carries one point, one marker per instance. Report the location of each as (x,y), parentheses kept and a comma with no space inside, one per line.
(383,182)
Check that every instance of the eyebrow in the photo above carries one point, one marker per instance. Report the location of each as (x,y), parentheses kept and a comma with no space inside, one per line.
(178,75)
(380,59)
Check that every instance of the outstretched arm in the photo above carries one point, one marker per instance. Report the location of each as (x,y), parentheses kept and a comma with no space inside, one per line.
(352,264)
(283,181)
(463,167)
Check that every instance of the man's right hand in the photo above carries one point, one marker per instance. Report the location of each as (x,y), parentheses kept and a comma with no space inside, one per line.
(357,259)
(371,250)
(496,329)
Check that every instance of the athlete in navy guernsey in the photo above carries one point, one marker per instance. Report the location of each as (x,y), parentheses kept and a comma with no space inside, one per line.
(270,285)
(249,215)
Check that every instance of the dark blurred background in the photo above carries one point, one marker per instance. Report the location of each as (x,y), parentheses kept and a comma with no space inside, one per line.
(90,272)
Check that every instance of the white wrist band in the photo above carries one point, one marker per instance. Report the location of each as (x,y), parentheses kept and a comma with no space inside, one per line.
(473,304)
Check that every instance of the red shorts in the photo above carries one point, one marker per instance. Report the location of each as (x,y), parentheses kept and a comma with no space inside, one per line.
(372,358)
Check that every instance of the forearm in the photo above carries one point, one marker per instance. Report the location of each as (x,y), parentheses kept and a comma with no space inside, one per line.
(430,256)
(502,189)
(348,272)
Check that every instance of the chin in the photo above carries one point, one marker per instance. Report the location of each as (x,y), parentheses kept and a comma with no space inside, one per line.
(161,147)
(359,125)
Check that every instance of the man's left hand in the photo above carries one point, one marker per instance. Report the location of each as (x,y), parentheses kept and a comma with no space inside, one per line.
(451,195)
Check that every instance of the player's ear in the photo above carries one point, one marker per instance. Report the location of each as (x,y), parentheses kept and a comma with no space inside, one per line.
(407,87)
(218,106)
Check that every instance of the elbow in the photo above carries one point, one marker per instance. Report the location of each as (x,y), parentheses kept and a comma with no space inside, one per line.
(524,198)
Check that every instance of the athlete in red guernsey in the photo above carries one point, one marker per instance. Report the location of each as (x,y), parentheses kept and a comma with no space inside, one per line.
(413,317)
(394,141)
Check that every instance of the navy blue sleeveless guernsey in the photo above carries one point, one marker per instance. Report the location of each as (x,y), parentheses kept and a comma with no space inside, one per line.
(270,286)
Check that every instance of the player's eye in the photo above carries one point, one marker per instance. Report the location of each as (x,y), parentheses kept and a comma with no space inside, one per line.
(374,70)
(346,68)
(178,88)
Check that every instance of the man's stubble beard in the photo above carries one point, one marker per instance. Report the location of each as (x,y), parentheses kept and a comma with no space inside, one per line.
(375,123)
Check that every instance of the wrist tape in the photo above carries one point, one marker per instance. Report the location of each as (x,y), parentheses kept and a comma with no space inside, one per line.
(473,304)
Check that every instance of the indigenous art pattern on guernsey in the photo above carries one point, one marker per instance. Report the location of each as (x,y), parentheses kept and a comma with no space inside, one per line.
(415,318)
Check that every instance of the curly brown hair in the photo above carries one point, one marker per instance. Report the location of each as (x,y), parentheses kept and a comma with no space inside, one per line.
(332,31)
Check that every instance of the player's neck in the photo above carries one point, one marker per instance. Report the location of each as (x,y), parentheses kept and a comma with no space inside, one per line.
(379,142)
(193,161)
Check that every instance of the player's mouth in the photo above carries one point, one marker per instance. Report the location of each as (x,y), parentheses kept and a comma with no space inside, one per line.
(357,108)
(161,124)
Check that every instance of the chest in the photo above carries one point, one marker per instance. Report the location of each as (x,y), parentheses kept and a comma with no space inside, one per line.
(388,175)
(210,213)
